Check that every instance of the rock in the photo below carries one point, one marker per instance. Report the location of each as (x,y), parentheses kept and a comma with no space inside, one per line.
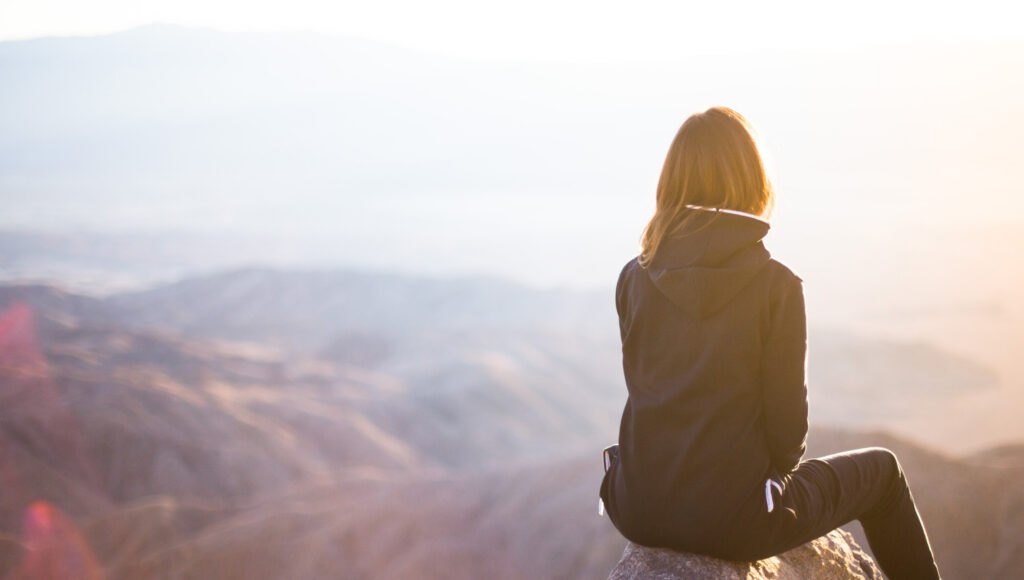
(831,557)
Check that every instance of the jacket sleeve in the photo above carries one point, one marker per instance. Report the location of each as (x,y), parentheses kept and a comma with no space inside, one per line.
(784,377)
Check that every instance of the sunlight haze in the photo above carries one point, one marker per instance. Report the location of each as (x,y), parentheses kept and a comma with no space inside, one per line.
(329,289)
(522,142)
(543,30)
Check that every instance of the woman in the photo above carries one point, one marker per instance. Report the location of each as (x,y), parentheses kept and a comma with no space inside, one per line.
(714,346)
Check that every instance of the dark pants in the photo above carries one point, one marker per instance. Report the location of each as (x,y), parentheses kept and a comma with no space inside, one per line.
(863,484)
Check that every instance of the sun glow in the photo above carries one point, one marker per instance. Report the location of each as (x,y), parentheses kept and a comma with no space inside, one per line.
(572,30)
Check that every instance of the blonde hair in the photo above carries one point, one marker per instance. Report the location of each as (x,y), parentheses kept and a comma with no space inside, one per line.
(713,162)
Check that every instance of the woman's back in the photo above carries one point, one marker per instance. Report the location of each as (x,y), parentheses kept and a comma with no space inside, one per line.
(695,444)
(714,347)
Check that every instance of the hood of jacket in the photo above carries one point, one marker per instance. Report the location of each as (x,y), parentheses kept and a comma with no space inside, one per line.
(703,267)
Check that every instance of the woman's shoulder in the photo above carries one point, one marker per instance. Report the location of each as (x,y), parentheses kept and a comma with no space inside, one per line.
(628,275)
(624,283)
(782,274)
(784,285)
(629,267)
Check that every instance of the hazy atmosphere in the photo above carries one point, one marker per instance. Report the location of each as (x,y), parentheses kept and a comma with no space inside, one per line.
(357,263)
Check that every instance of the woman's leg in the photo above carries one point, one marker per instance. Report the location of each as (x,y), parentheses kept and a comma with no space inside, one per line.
(866,485)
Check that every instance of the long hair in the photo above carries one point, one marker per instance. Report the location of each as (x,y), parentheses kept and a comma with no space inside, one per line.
(713,162)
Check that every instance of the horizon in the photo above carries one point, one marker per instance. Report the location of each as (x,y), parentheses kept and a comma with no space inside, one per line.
(540,172)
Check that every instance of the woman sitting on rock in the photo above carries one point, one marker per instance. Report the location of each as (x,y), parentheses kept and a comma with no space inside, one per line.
(714,345)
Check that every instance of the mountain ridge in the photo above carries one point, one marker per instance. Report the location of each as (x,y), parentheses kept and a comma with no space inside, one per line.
(475,459)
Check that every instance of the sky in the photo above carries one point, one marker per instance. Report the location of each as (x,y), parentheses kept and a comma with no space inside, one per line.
(561,30)
(908,135)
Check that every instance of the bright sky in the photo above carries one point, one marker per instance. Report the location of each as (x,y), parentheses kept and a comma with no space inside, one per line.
(545,29)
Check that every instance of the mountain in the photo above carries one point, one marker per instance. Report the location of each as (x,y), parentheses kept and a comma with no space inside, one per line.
(449,334)
(521,521)
(308,308)
(132,413)
(199,112)
(458,365)
(229,431)
(466,353)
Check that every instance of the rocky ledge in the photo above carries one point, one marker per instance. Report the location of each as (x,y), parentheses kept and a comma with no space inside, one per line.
(831,557)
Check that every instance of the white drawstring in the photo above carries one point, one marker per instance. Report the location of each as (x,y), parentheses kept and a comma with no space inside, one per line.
(768,493)
(724,210)
(767,497)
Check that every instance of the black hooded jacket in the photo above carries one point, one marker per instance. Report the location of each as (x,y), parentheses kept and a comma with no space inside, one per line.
(713,350)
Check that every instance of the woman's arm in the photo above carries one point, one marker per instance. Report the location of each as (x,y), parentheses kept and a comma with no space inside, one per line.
(620,298)
(784,377)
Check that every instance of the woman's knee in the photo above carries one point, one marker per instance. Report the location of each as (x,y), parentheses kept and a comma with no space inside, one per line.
(893,489)
(886,460)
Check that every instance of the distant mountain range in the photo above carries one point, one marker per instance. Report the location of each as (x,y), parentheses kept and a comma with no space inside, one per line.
(444,338)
